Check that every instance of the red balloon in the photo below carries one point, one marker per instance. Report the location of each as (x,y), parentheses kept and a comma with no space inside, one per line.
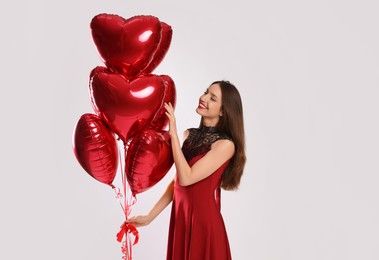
(126,46)
(127,107)
(95,148)
(163,47)
(148,160)
(160,121)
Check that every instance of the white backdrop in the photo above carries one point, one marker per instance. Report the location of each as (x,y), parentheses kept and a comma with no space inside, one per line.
(308,75)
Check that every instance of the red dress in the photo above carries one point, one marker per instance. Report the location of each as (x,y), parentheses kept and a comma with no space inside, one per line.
(197,230)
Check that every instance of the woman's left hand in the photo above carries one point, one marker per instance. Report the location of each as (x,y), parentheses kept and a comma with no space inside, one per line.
(172,120)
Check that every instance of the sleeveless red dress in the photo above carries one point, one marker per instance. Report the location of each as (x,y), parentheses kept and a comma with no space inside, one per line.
(197,230)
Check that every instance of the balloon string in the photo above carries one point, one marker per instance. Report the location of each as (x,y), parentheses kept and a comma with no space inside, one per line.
(119,197)
(126,204)
(126,228)
(124,183)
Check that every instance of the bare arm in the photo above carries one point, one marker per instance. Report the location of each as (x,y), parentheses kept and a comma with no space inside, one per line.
(220,152)
(161,204)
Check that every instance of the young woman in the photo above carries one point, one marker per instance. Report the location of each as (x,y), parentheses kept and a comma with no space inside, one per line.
(212,156)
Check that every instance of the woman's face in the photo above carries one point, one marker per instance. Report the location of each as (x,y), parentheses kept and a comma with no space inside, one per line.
(210,105)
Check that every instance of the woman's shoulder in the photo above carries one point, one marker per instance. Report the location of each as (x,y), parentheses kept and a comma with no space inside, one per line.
(224,141)
(185,134)
(224,136)
(224,145)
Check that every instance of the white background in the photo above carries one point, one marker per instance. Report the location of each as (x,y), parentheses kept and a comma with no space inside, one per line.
(308,75)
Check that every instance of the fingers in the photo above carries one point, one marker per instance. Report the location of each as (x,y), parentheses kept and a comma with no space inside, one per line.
(135,223)
(169,110)
(171,117)
(169,107)
(133,220)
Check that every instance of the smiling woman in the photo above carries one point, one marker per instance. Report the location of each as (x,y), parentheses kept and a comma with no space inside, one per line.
(212,157)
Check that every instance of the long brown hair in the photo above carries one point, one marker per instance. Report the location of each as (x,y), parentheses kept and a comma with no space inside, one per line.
(231,123)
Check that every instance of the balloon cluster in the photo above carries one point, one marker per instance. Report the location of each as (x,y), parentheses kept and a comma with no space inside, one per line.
(128,102)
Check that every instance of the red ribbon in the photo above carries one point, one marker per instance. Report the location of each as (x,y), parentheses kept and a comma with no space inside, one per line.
(127,227)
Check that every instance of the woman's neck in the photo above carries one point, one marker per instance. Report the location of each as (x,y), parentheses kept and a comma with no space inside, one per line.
(209,122)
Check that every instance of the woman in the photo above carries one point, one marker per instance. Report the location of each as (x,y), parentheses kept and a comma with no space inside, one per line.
(212,156)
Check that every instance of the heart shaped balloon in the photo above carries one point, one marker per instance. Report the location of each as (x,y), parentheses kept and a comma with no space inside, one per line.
(95,148)
(126,45)
(163,47)
(148,160)
(160,121)
(127,107)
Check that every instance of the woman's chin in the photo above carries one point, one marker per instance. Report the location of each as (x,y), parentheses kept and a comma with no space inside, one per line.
(199,111)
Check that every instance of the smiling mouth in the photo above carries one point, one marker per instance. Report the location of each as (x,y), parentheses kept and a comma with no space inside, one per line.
(202,106)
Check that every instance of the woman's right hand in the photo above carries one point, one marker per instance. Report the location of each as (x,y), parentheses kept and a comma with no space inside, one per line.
(170,113)
(139,221)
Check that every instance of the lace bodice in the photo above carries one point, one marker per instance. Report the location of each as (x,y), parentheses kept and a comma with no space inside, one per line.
(200,140)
